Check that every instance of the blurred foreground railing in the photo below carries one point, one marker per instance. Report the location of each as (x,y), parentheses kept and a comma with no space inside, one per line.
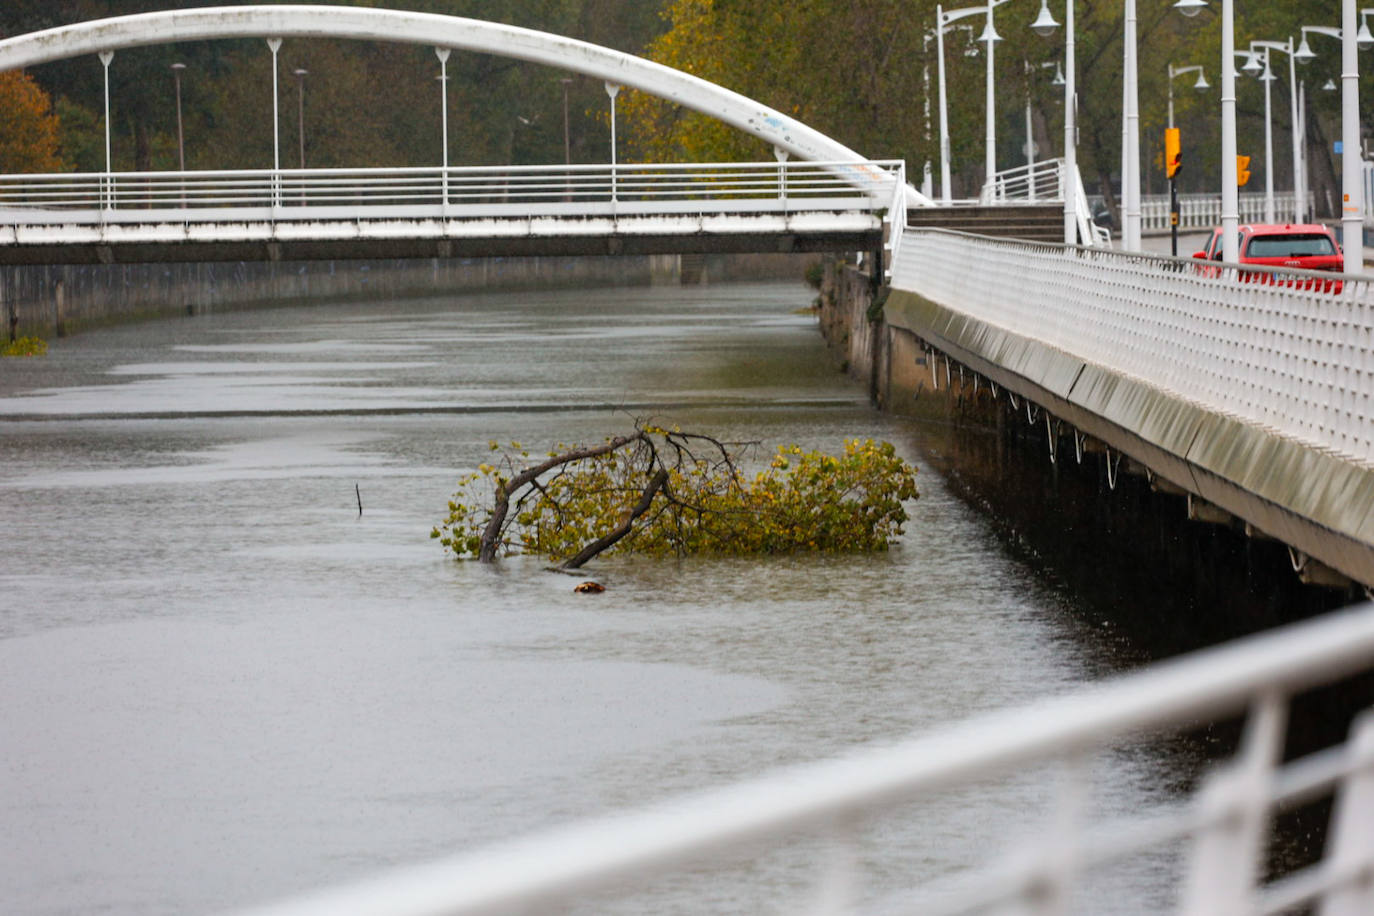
(1224,827)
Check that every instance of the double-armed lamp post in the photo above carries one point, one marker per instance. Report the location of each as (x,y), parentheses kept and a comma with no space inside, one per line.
(1352,166)
(1043,25)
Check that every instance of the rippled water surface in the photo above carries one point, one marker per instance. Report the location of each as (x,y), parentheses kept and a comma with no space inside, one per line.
(223,684)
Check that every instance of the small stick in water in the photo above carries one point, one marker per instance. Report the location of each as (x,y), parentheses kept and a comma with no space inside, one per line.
(360,500)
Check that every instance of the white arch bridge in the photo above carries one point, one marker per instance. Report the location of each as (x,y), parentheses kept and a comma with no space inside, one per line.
(832,199)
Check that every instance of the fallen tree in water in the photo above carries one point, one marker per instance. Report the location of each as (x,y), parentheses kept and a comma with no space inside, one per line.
(665,492)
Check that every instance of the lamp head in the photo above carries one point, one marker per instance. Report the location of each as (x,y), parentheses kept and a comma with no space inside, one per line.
(989,33)
(1058,75)
(1201,82)
(1044,24)
(1304,52)
(1190,8)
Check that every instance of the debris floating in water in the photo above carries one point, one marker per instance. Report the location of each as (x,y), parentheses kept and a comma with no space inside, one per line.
(589,588)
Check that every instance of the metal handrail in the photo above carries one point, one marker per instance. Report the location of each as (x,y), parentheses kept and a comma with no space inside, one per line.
(142,197)
(1225,820)
(1037,182)
(1285,351)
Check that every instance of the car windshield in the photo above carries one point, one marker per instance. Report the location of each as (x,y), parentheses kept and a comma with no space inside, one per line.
(1298,245)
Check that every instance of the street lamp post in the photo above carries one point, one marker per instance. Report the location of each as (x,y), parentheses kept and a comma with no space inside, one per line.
(1070,131)
(1287,48)
(300,73)
(105,58)
(1201,84)
(567,138)
(443,55)
(181,140)
(1030,134)
(274,45)
(1230,194)
(1352,166)
(612,90)
(1043,26)
(1175,72)
(1130,181)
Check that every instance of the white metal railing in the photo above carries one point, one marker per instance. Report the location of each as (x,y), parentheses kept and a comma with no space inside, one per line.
(894,222)
(1225,824)
(495,191)
(1089,232)
(1287,351)
(1203,211)
(1038,182)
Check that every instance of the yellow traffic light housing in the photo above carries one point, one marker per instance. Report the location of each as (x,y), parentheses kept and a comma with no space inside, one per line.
(1242,170)
(1173,152)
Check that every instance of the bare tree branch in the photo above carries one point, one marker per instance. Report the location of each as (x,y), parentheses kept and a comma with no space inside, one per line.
(491,536)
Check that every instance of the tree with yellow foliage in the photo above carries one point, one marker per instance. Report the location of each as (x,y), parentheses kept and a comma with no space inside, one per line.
(664,492)
(28,127)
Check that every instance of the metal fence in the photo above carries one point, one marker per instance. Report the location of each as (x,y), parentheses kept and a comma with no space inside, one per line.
(1222,828)
(1289,351)
(477,192)
(1041,181)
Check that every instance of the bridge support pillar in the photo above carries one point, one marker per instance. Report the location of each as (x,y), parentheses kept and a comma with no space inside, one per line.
(691,269)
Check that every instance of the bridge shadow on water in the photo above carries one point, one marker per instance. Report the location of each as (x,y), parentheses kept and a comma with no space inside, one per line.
(1129,562)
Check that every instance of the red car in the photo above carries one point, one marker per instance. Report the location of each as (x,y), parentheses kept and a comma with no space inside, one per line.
(1308,246)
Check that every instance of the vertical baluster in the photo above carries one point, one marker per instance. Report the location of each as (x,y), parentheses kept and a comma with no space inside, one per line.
(1351,836)
(1235,801)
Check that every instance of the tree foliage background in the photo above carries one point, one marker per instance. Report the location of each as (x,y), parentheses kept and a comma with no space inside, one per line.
(863,71)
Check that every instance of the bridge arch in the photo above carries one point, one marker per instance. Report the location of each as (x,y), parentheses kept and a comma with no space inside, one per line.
(372,24)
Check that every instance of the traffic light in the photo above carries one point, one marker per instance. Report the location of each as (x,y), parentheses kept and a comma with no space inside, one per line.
(1173,152)
(1242,170)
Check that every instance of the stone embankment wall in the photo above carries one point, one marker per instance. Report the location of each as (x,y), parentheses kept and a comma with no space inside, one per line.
(52,301)
(890,361)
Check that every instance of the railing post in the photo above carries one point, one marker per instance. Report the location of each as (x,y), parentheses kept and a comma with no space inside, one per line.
(1352,827)
(1234,802)
(780,154)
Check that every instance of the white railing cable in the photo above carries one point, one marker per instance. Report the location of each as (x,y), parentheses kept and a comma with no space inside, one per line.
(1291,352)
(1258,673)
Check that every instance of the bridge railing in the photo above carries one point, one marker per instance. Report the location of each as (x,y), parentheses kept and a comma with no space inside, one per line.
(477,192)
(1223,829)
(1203,211)
(1284,350)
(1036,182)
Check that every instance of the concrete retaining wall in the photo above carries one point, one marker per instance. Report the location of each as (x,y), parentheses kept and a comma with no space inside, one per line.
(51,301)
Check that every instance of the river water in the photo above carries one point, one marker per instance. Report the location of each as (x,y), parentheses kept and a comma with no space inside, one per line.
(223,684)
